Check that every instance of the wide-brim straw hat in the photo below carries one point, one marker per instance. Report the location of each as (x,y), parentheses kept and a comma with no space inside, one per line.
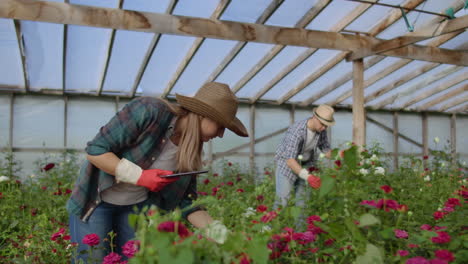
(217,102)
(324,113)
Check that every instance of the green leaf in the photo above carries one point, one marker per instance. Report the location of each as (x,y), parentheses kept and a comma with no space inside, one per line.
(295,211)
(355,232)
(185,256)
(327,185)
(387,233)
(368,220)
(372,256)
(258,250)
(351,157)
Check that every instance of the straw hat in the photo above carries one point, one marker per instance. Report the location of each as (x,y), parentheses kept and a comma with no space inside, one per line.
(324,113)
(217,102)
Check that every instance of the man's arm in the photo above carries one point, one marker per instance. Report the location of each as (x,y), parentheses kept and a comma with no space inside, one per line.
(294,165)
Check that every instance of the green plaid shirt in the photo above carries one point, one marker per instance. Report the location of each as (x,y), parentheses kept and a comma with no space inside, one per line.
(134,133)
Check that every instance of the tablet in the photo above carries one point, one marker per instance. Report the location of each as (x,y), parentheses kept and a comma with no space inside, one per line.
(184,174)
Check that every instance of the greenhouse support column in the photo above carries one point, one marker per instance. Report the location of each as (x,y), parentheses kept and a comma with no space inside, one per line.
(65,118)
(10,131)
(453,136)
(395,140)
(252,139)
(292,113)
(210,155)
(359,120)
(424,136)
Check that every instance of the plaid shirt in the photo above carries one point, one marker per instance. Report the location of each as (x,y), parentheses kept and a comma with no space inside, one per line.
(292,145)
(134,133)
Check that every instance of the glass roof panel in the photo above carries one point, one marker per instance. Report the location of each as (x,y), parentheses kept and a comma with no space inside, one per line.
(348,86)
(375,14)
(275,66)
(243,62)
(204,62)
(301,72)
(128,51)
(44,52)
(336,72)
(459,42)
(437,95)
(10,64)
(289,12)
(334,12)
(101,3)
(245,11)
(195,8)
(460,106)
(158,6)
(86,57)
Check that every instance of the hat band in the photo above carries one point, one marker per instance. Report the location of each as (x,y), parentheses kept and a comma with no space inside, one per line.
(315,112)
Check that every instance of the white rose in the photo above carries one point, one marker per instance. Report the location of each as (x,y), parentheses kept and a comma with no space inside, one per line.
(321,156)
(217,231)
(436,140)
(427,178)
(364,171)
(4,178)
(374,157)
(442,164)
(249,212)
(380,170)
(300,157)
(266,228)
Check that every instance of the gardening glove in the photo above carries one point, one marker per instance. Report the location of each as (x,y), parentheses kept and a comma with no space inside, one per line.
(216,231)
(313,180)
(127,171)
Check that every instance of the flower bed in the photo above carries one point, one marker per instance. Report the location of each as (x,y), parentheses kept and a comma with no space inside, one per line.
(362,213)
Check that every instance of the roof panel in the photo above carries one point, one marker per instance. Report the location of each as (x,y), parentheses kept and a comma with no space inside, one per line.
(327,99)
(276,65)
(128,52)
(170,50)
(375,14)
(10,65)
(459,42)
(204,62)
(301,72)
(158,6)
(101,3)
(86,57)
(336,72)
(288,14)
(334,12)
(243,62)
(245,11)
(437,95)
(195,8)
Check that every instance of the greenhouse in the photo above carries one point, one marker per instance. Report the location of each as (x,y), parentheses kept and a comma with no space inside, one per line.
(390,181)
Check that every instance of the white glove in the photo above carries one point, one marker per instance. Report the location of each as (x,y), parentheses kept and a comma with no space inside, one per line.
(216,231)
(304,174)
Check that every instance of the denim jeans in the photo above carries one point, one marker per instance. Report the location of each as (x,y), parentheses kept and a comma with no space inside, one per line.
(105,218)
(285,189)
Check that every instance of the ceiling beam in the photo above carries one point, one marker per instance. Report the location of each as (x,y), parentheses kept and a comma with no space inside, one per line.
(19,38)
(193,49)
(63,13)
(444,97)
(432,29)
(149,52)
(459,101)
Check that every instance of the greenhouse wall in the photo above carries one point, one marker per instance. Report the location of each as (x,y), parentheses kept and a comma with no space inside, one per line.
(39,128)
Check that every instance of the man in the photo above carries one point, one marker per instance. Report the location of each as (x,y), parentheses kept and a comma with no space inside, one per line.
(303,138)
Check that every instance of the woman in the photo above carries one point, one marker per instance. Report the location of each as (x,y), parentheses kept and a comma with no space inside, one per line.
(147,139)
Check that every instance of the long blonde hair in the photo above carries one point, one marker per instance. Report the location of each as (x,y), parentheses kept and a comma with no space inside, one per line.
(189,154)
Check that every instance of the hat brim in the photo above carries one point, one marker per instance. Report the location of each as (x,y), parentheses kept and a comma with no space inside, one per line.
(323,121)
(203,109)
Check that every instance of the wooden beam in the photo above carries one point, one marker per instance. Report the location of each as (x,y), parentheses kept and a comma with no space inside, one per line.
(444,97)
(303,22)
(193,49)
(423,83)
(425,146)
(11,121)
(65,121)
(274,5)
(453,137)
(395,140)
(439,88)
(63,13)
(359,115)
(434,28)
(19,38)
(342,24)
(252,140)
(462,109)
(149,52)
(460,100)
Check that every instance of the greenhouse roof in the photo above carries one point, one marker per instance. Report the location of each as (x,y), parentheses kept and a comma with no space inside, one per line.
(414,53)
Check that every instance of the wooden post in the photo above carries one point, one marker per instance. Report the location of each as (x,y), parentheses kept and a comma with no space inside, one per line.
(65,121)
(424,136)
(10,134)
(395,140)
(292,113)
(252,139)
(453,136)
(210,155)
(359,119)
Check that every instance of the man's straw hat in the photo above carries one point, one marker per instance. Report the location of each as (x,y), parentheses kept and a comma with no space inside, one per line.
(324,113)
(217,102)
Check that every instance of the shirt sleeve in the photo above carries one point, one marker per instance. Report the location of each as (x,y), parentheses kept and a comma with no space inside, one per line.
(125,128)
(323,143)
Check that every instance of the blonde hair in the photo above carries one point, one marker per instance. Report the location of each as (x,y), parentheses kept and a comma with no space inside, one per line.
(189,154)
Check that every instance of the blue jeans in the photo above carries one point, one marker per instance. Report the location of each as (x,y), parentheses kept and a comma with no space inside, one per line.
(285,189)
(105,218)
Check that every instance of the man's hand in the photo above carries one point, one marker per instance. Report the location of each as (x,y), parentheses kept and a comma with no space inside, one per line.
(128,172)
(313,180)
